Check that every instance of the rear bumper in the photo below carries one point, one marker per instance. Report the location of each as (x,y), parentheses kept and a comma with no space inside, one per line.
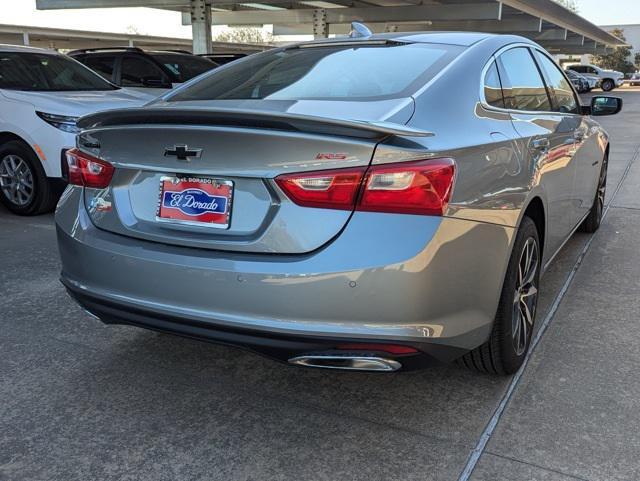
(282,347)
(430,282)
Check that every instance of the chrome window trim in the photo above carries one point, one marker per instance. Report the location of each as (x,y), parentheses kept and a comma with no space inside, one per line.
(494,58)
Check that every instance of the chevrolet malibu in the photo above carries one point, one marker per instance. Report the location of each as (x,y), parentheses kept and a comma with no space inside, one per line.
(370,203)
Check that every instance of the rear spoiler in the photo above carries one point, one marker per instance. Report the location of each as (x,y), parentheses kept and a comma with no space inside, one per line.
(247,118)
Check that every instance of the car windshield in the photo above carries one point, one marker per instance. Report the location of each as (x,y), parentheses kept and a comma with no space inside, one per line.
(47,73)
(370,71)
(184,67)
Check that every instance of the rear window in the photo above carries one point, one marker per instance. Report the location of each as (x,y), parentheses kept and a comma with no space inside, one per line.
(43,72)
(184,67)
(363,72)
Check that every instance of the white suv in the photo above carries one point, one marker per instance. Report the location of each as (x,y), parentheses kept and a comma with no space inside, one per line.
(42,94)
(607,79)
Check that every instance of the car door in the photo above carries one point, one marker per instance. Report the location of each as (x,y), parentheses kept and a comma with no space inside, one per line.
(546,139)
(591,72)
(586,158)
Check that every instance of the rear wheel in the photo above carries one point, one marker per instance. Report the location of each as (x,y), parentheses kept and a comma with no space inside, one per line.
(24,187)
(608,85)
(592,221)
(510,338)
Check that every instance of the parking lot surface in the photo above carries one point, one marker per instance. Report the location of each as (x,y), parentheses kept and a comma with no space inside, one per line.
(83,401)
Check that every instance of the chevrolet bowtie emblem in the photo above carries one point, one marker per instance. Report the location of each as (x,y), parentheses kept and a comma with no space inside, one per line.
(182,152)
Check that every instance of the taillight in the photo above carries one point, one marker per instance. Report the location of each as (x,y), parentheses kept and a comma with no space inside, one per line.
(87,170)
(326,189)
(422,187)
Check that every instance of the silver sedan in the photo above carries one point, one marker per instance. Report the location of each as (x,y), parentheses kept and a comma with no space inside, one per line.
(369,203)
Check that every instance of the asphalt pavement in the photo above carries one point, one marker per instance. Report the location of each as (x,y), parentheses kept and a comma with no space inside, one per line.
(83,401)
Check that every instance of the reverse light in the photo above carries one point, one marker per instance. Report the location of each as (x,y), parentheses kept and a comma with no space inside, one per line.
(422,187)
(63,122)
(326,189)
(87,170)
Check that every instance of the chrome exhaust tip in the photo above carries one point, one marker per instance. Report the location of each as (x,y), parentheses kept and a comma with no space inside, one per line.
(347,362)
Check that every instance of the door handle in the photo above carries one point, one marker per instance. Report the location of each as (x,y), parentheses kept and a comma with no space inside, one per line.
(540,144)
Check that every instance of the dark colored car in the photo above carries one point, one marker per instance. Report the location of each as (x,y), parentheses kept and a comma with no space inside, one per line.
(223,58)
(136,68)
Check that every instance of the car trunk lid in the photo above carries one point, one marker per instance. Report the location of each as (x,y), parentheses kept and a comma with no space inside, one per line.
(244,148)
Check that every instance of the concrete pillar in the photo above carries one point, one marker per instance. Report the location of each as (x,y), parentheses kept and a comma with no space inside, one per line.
(131,42)
(25,39)
(201,26)
(320,27)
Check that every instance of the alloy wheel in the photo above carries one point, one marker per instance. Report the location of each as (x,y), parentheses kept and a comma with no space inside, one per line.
(16,180)
(526,296)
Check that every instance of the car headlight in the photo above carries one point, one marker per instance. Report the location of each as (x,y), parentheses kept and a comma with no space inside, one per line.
(62,122)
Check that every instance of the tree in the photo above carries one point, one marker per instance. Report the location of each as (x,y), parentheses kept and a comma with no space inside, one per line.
(618,59)
(570,4)
(244,35)
(636,60)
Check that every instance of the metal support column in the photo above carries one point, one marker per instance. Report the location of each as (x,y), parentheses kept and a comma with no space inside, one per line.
(320,27)
(201,26)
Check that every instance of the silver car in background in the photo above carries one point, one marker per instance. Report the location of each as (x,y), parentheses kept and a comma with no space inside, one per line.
(371,203)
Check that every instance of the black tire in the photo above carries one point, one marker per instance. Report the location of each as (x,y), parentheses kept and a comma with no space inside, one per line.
(608,85)
(592,221)
(502,354)
(39,194)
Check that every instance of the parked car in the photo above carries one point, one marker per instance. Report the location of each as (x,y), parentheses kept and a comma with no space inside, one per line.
(581,84)
(607,79)
(139,69)
(635,79)
(223,58)
(309,205)
(42,94)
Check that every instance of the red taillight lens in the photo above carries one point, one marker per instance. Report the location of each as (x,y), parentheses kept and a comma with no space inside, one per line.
(390,348)
(88,171)
(422,187)
(326,189)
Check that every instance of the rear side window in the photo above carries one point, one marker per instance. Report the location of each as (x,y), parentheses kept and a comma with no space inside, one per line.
(184,67)
(565,100)
(102,65)
(137,71)
(362,72)
(492,87)
(521,82)
(578,68)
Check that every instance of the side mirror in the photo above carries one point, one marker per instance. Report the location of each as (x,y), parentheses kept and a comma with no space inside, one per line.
(603,105)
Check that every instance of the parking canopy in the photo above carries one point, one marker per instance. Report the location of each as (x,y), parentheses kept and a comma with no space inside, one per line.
(555,27)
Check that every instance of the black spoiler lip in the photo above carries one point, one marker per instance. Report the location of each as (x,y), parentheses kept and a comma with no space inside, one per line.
(246,118)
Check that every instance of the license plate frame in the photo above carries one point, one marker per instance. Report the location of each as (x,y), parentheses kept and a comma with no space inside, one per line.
(214,189)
